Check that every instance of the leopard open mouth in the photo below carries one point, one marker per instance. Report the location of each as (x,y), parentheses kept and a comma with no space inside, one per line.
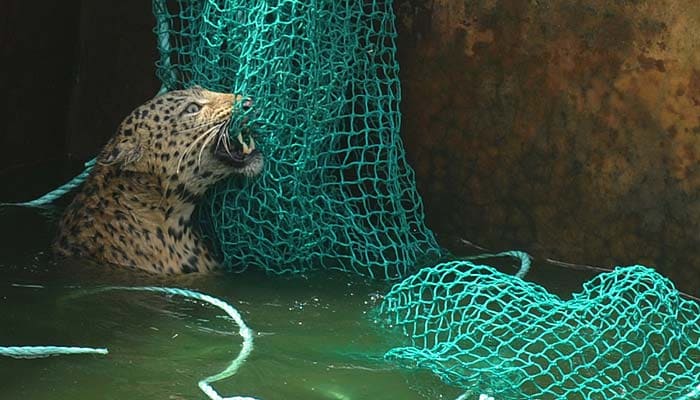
(241,152)
(236,153)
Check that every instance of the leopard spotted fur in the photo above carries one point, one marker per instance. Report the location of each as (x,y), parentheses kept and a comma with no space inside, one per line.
(135,209)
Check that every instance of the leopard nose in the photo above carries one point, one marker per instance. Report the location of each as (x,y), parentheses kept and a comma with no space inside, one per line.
(247,104)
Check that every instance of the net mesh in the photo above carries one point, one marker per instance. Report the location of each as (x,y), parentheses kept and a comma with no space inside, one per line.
(627,335)
(336,191)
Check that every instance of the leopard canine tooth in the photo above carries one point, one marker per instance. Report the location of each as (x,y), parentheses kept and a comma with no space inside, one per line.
(246,149)
(251,144)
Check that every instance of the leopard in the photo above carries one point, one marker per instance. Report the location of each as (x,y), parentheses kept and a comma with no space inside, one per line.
(135,209)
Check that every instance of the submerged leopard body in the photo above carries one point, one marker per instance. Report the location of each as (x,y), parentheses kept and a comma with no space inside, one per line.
(136,206)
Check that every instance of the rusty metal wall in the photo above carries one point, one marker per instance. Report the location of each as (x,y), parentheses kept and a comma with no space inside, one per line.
(570,129)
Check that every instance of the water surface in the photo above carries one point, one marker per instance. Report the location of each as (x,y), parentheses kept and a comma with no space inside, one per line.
(314,338)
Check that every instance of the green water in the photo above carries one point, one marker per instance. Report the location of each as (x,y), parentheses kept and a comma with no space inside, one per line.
(313,336)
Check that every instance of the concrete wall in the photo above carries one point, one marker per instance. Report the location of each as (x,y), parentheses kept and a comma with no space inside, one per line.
(570,129)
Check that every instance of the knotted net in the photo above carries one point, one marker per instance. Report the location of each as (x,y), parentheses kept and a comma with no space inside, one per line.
(336,191)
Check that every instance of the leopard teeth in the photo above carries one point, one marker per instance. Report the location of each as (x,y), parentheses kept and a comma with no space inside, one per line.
(246,149)
(251,144)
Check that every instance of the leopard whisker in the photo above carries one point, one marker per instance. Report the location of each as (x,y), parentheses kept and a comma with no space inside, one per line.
(226,147)
(220,135)
(218,143)
(204,145)
(193,144)
(227,139)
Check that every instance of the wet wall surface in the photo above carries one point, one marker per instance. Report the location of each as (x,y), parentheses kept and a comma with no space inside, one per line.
(569,129)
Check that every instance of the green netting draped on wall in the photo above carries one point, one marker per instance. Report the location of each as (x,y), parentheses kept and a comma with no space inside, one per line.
(336,191)
(627,335)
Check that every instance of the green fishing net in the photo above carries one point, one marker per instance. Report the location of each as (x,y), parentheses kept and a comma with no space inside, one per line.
(627,335)
(336,191)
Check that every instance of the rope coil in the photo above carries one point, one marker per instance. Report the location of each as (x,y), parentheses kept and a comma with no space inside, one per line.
(204,384)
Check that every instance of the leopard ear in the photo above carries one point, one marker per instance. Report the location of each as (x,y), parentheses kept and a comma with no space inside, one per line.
(122,153)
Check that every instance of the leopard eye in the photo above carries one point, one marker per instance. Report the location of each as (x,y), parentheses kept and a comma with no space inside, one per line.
(192,108)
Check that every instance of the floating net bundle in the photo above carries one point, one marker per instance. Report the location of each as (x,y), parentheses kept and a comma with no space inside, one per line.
(627,335)
(336,191)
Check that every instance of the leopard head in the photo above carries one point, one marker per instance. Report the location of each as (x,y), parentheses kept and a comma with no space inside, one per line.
(184,138)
